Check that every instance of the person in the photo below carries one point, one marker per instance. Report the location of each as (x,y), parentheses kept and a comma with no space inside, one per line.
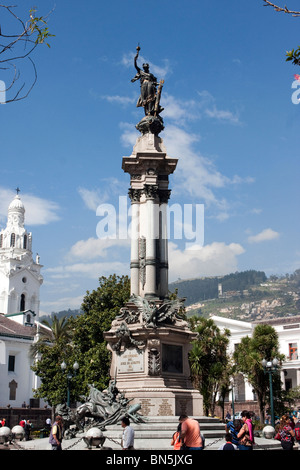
(297,431)
(190,434)
(233,427)
(48,423)
(56,434)
(245,435)
(286,433)
(3,422)
(176,438)
(28,427)
(228,444)
(128,434)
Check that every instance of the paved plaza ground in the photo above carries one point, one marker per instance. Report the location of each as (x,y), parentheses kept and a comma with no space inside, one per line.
(78,444)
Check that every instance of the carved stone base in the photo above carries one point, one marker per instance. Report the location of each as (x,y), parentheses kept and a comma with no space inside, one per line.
(167,401)
(151,365)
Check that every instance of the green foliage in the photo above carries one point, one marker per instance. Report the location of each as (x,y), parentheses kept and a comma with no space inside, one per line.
(80,339)
(293,55)
(38,26)
(208,359)
(99,307)
(248,357)
(53,388)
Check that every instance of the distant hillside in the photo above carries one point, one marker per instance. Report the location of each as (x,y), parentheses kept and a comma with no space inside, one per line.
(61,314)
(247,296)
(196,290)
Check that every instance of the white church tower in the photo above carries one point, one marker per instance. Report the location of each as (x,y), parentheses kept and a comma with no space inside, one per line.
(20,277)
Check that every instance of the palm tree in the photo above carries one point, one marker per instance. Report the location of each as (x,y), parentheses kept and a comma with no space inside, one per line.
(208,359)
(56,332)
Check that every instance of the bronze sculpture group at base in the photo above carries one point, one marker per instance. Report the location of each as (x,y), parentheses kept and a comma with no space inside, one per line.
(98,410)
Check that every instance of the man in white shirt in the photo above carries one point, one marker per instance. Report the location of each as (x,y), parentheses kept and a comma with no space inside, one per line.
(128,434)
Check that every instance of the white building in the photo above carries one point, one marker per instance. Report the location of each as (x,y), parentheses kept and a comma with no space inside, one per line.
(288,330)
(20,277)
(20,281)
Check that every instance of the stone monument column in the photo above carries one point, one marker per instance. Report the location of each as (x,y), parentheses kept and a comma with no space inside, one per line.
(150,339)
(149,168)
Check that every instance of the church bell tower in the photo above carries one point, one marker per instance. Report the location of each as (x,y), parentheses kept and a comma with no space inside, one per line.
(20,277)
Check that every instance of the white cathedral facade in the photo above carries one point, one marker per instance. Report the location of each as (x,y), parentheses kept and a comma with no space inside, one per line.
(20,281)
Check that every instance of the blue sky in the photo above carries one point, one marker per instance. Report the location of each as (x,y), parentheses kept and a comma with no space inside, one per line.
(229,119)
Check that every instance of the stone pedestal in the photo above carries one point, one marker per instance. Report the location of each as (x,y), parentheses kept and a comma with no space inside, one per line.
(151,367)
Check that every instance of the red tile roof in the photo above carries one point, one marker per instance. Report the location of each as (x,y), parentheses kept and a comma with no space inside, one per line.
(14,329)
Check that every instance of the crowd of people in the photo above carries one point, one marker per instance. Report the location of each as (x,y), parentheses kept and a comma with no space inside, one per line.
(288,431)
(25,424)
(239,433)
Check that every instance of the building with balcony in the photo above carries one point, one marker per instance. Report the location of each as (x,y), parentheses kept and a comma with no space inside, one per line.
(288,330)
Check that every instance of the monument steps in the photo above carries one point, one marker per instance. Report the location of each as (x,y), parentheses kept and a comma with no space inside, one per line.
(157,432)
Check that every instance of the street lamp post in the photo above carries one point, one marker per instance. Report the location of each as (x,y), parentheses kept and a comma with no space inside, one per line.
(232,399)
(69,377)
(271,367)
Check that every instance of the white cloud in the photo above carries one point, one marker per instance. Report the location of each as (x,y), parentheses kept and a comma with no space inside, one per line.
(210,260)
(179,110)
(264,235)
(129,134)
(38,211)
(117,99)
(91,198)
(93,258)
(110,187)
(89,270)
(196,175)
(95,247)
(256,211)
(207,103)
(61,304)
(222,115)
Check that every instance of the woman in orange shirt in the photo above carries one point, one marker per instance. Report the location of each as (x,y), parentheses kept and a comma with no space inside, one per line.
(176,441)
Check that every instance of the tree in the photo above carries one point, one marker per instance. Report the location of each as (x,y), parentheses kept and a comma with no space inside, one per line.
(293,55)
(100,308)
(54,346)
(58,332)
(19,46)
(208,360)
(80,340)
(248,358)
(225,383)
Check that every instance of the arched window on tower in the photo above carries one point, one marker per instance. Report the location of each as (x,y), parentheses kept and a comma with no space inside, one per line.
(22,303)
(12,239)
(1,240)
(25,242)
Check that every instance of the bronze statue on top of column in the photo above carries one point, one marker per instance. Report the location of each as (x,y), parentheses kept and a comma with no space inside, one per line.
(149,99)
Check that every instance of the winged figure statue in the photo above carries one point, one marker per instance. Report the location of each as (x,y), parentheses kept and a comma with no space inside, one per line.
(154,313)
